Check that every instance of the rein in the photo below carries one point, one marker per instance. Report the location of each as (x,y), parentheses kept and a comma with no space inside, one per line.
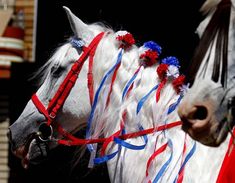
(76,141)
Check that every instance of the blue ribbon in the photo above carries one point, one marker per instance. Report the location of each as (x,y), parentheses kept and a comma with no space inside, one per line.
(121,143)
(128,85)
(174,105)
(105,158)
(131,146)
(144,98)
(90,147)
(165,165)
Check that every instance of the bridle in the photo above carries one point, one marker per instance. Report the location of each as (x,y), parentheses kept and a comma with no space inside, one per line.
(50,113)
(45,128)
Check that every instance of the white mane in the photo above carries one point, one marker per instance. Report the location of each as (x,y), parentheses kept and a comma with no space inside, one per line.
(106,122)
(148,79)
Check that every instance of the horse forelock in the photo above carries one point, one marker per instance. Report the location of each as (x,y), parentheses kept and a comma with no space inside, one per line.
(60,53)
(55,61)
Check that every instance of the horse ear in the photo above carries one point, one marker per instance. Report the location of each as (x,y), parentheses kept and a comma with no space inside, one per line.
(79,28)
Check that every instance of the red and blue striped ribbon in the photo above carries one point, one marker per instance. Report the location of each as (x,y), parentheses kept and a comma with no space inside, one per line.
(129,83)
(166,164)
(144,98)
(174,105)
(188,156)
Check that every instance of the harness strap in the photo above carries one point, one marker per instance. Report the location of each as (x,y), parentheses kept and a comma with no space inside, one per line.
(40,106)
(90,82)
(72,76)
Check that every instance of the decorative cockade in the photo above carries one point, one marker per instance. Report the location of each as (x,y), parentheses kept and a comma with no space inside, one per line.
(126,40)
(149,53)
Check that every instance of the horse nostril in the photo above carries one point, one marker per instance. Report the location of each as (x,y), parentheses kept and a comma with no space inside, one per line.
(200,113)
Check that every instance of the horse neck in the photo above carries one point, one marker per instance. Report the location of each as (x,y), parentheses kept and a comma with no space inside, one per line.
(105,57)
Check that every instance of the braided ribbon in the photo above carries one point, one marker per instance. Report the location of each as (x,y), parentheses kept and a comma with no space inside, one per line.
(125,40)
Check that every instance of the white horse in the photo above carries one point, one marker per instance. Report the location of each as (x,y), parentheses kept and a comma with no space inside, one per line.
(146,103)
(208,108)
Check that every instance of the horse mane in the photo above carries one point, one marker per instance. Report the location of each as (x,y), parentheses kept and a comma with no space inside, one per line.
(107,122)
(215,32)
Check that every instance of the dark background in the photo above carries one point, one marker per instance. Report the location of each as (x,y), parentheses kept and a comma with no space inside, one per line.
(170,23)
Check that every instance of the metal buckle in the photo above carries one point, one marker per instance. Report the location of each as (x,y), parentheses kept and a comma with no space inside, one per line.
(52,115)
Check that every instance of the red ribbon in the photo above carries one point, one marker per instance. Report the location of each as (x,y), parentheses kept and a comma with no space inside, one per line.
(111,85)
(159,89)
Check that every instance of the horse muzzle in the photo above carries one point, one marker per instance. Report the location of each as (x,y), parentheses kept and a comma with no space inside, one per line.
(33,148)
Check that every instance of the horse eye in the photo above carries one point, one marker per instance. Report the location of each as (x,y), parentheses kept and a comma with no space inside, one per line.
(56,72)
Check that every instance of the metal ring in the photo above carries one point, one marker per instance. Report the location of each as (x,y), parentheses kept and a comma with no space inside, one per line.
(45,132)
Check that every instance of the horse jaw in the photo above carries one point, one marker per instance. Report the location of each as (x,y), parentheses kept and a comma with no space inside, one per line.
(79,28)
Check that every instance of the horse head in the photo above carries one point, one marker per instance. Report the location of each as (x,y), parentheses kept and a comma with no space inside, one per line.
(29,134)
(207,111)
